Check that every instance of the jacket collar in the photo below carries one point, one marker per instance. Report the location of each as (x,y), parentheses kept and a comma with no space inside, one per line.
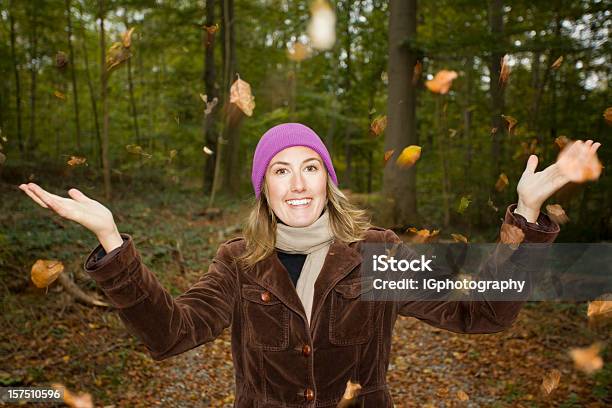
(339,262)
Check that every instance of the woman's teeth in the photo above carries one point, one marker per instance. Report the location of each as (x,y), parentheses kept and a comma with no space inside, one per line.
(304,201)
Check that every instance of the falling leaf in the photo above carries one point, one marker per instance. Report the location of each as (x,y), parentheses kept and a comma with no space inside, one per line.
(207,150)
(126,38)
(600,309)
(83,400)
(409,156)
(462,396)
(550,381)
(212,29)
(378,125)
(59,95)
(578,167)
(557,63)
(387,156)
(511,122)
(587,359)
(442,82)
(416,72)
(172,154)
(502,182)
(240,94)
(493,130)
(298,52)
(452,133)
(463,204)
(322,25)
(76,160)
(209,104)
(557,213)
(511,235)
(45,272)
(134,149)
(61,60)
(116,55)
(423,236)
(562,141)
(504,72)
(492,205)
(608,115)
(460,238)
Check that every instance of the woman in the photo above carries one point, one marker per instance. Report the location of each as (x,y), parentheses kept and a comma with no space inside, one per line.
(290,288)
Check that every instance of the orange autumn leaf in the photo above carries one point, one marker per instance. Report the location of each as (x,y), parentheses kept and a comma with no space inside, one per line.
(510,121)
(511,235)
(557,213)
(504,72)
(416,72)
(460,238)
(462,396)
(83,400)
(600,309)
(587,359)
(409,156)
(212,29)
(423,236)
(608,115)
(298,52)
(441,82)
(387,156)
(59,95)
(562,141)
(76,160)
(557,63)
(240,94)
(550,381)
(351,392)
(579,163)
(502,182)
(378,125)
(45,272)
(126,38)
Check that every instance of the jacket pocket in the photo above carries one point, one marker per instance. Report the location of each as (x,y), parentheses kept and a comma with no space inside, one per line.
(267,318)
(350,320)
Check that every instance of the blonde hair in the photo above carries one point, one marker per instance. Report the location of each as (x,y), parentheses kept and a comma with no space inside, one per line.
(348,224)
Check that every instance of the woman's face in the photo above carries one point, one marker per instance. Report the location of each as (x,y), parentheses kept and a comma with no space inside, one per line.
(296,179)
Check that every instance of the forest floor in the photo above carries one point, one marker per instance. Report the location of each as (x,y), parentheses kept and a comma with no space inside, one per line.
(47,337)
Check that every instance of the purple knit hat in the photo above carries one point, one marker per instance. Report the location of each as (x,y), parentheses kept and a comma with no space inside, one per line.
(281,137)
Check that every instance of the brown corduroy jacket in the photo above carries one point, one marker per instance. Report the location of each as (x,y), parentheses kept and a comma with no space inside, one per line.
(279,360)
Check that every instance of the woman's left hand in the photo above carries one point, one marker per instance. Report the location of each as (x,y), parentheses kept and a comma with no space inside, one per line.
(577,162)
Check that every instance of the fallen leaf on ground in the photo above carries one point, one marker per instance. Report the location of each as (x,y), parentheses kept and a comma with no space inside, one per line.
(550,381)
(83,400)
(462,396)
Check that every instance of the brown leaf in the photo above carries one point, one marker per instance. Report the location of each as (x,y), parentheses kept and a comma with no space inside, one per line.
(462,396)
(504,73)
(116,55)
(212,29)
(557,63)
(126,38)
(76,160)
(460,238)
(510,121)
(240,94)
(557,213)
(442,81)
(387,156)
(608,115)
(587,359)
(562,141)
(511,235)
(409,156)
(59,95)
(378,126)
(502,182)
(550,381)
(61,60)
(416,72)
(83,400)
(45,272)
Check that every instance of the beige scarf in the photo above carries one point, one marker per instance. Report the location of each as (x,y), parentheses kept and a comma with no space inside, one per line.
(313,240)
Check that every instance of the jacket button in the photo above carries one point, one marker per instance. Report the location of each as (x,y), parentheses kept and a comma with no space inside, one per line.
(306,350)
(265,297)
(309,394)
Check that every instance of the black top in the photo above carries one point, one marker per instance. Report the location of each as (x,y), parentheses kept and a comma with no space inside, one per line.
(293,263)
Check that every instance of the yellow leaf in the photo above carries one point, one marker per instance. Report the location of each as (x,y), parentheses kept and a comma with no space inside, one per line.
(460,238)
(116,55)
(463,204)
(557,63)
(59,95)
(45,272)
(76,160)
(423,236)
(442,82)
(126,38)
(240,94)
(409,156)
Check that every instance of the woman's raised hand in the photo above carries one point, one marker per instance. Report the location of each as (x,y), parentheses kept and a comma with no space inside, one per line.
(576,163)
(80,209)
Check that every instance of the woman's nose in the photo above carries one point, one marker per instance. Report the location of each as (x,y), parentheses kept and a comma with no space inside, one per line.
(297,182)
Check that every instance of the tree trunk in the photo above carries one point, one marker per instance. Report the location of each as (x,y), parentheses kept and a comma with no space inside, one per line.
(399,184)
(496,27)
(17,80)
(32,143)
(348,130)
(104,97)
(75,92)
(131,90)
(209,122)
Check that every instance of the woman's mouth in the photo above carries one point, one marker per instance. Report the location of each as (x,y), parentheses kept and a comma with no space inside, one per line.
(299,203)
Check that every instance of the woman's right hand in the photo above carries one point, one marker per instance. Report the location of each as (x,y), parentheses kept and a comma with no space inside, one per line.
(80,209)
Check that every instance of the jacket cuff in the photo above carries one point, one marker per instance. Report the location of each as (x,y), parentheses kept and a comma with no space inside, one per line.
(104,267)
(546,230)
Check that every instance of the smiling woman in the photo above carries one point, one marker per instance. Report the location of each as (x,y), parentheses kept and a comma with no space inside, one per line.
(291,287)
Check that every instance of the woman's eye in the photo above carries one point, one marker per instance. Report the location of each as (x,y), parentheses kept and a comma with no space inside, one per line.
(313,167)
(278,171)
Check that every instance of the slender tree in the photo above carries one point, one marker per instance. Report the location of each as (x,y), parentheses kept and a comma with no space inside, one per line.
(104,97)
(75,91)
(17,79)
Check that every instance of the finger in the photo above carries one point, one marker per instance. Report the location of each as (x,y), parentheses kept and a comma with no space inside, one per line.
(595,146)
(33,196)
(77,195)
(532,164)
(44,196)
